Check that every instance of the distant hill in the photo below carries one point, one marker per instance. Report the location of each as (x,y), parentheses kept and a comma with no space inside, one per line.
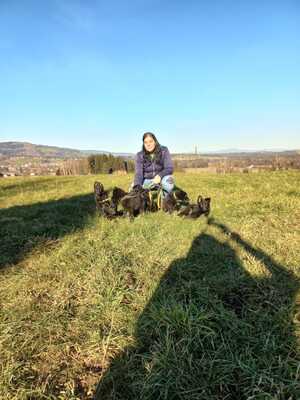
(19,149)
(233,150)
(252,153)
(24,149)
(235,153)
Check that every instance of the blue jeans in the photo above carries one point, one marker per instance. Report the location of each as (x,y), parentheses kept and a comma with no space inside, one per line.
(167,184)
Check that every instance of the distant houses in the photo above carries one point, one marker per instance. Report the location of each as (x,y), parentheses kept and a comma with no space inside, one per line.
(121,165)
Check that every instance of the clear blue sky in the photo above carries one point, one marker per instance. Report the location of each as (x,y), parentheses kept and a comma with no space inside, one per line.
(97,74)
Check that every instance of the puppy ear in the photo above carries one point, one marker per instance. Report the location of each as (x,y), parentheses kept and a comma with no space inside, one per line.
(100,186)
(207,199)
(199,200)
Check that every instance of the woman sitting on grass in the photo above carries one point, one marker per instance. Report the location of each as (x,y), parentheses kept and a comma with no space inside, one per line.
(153,165)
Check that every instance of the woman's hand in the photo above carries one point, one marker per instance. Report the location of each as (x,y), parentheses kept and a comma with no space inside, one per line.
(156,179)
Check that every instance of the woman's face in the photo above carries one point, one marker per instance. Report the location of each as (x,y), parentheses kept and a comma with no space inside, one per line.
(149,144)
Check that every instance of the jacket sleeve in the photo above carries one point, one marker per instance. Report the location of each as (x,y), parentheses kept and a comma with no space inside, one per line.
(167,164)
(139,173)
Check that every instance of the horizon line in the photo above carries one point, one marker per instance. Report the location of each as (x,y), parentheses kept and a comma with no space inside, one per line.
(217,150)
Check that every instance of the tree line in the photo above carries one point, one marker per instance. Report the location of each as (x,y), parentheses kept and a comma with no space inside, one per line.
(107,163)
(96,164)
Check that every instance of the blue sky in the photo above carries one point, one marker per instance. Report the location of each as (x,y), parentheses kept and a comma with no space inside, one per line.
(97,74)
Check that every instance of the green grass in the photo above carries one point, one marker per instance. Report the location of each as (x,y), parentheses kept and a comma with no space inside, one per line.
(158,308)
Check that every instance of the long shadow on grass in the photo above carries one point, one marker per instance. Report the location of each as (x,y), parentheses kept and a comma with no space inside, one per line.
(22,228)
(213,331)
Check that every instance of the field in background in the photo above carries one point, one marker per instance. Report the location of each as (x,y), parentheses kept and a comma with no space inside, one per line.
(160,308)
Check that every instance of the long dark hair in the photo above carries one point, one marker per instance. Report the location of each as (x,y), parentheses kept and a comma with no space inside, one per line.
(157,149)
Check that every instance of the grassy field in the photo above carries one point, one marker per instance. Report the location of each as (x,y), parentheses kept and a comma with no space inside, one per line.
(159,308)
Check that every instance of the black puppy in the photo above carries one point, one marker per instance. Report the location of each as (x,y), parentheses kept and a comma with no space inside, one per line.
(136,202)
(175,200)
(103,204)
(195,210)
(181,195)
(169,203)
(101,195)
(117,195)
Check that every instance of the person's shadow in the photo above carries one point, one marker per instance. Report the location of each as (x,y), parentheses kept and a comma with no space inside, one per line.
(23,228)
(213,331)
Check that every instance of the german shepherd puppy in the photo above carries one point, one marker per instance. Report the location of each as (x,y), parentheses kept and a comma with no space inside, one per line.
(136,202)
(117,195)
(175,200)
(103,204)
(195,210)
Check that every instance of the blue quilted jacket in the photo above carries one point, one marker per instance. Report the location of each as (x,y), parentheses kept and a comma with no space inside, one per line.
(146,168)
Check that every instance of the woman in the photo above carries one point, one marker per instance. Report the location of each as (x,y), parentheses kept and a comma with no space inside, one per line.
(153,165)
